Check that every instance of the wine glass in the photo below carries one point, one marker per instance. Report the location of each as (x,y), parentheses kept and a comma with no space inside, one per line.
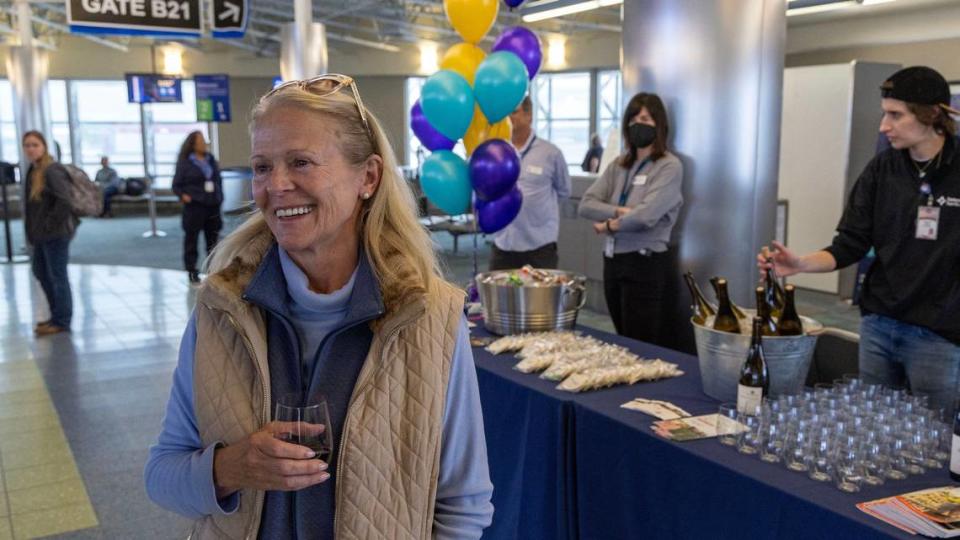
(307,424)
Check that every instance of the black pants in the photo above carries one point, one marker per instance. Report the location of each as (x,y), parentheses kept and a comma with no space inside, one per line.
(198,218)
(543,257)
(633,285)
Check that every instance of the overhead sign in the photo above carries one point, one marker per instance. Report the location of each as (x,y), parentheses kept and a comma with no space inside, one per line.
(135,17)
(150,88)
(229,18)
(213,98)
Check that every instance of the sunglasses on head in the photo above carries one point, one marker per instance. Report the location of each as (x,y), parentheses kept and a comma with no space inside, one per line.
(325,85)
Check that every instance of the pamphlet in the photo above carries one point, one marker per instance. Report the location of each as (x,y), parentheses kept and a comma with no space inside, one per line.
(690,428)
(664,410)
(930,512)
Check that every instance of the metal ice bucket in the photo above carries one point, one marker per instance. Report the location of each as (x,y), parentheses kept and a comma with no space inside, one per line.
(722,354)
(512,309)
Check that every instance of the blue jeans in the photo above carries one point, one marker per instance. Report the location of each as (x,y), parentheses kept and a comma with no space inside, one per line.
(50,267)
(902,355)
(108,194)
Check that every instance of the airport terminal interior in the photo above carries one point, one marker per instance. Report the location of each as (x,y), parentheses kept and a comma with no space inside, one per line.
(774,109)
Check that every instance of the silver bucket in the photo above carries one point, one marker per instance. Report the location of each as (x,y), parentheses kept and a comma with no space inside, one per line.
(512,309)
(722,354)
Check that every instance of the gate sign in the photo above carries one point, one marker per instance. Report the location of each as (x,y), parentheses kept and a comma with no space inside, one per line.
(213,98)
(229,18)
(135,17)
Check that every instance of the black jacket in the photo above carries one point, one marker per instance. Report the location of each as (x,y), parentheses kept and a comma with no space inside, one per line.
(189,180)
(914,281)
(51,216)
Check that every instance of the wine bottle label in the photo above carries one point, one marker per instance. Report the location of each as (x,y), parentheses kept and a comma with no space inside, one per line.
(955,455)
(749,398)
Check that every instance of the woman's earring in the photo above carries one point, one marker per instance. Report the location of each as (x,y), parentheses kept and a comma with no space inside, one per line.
(365,196)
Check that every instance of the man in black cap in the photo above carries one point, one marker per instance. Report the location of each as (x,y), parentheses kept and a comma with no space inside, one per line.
(905,205)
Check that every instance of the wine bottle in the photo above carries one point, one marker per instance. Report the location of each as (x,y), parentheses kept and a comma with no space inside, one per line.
(955,450)
(726,320)
(739,313)
(789,323)
(754,383)
(773,294)
(768,327)
(701,308)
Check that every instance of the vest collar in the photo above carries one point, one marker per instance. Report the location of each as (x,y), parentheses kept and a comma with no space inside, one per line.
(268,289)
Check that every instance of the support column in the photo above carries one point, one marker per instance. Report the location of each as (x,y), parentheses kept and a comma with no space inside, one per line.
(27,68)
(303,46)
(718,66)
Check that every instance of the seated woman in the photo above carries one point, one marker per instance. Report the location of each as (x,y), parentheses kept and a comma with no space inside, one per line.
(331,288)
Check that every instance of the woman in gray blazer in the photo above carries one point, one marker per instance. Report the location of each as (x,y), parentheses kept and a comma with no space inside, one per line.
(635,204)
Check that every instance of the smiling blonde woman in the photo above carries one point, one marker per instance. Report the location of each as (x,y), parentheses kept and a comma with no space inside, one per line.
(331,287)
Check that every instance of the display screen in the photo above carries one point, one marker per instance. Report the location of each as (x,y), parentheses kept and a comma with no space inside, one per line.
(150,88)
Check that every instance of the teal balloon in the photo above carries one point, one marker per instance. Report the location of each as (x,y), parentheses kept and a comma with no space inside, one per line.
(445,179)
(447,101)
(500,84)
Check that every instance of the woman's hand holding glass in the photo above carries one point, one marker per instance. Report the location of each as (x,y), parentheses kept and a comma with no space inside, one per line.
(262,461)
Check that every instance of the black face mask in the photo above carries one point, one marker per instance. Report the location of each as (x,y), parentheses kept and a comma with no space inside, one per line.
(641,135)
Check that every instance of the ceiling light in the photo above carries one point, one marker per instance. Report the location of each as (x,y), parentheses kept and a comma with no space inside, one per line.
(172,61)
(806,7)
(428,57)
(548,9)
(557,51)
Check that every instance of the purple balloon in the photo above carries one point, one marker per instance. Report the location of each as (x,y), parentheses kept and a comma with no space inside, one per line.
(523,43)
(497,214)
(513,3)
(429,137)
(494,169)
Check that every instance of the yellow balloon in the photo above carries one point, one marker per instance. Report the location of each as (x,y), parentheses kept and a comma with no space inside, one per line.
(463,58)
(481,131)
(472,19)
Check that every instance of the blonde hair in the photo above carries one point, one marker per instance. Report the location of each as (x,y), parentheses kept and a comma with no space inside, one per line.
(398,246)
(38,179)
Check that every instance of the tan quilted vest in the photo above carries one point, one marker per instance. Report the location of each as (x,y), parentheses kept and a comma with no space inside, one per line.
(389,453)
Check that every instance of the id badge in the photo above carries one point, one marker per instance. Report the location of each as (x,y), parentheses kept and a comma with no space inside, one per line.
(208,186)
(640,180)
(928,219)
(608,247)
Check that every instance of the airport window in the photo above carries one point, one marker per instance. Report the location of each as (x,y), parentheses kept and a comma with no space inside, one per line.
(9,145)
(609,103)
(412,94)
(169,126)
(109,126)
(59,119)
(562,112)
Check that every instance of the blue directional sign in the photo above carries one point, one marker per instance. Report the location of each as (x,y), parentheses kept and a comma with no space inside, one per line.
(213,98)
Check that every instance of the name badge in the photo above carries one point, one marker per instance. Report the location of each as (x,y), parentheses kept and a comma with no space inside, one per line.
(640,180)
(608,247)
(533,169)
(208,186)
(928,219)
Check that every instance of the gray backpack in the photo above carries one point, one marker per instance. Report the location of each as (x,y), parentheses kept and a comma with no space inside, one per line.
(85,197)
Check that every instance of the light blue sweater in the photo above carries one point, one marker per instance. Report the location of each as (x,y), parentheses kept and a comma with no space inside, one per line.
(179,471)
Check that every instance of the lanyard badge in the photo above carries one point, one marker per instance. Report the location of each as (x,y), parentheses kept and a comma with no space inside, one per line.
(928,216)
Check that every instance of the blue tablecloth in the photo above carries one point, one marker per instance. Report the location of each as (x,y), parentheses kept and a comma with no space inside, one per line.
(529,431)
(578,466)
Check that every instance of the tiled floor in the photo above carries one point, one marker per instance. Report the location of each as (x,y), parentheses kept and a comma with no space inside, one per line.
(78,411)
